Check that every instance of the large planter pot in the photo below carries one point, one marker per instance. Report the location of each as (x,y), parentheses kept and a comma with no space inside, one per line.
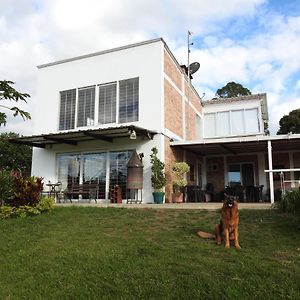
(158,197)
(177,197)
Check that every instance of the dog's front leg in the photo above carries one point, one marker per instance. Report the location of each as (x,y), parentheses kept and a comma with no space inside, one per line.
(236,238)
(226,236)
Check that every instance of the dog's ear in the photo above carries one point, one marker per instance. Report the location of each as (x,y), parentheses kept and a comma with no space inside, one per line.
(226,196)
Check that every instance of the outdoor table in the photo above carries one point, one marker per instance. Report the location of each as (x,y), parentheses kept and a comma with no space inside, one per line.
(53,190)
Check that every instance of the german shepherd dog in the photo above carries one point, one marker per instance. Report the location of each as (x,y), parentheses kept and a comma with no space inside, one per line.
(227,229)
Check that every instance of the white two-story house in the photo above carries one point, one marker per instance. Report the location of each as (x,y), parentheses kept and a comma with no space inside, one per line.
(95,110)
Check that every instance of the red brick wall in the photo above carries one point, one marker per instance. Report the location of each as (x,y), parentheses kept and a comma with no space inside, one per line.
(173,109)
(171,69)
(171,156)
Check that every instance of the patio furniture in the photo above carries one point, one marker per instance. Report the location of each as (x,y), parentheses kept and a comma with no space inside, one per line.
(89,190)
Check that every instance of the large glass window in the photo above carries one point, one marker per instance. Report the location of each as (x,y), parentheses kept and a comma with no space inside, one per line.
(67,109)
(68,169)
(231,123)
(92,168)
(118,169)
(241,174)
(107,103)
(94,171)
(129,100)
(86,107)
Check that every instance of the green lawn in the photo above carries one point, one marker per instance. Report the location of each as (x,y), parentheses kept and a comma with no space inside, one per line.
(107,253)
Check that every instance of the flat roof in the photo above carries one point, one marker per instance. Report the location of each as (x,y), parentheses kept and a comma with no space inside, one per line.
(73,137)
(240,145)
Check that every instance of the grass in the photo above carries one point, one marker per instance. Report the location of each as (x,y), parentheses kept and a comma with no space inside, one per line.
(107,253)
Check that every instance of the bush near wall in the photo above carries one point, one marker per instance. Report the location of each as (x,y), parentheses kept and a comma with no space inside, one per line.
(21,196)
(290,202)
(45,204)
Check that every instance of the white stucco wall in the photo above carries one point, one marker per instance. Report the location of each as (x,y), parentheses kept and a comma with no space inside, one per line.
(144,61)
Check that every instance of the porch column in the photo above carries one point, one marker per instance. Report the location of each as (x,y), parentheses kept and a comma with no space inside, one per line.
(291,160)
(271,181)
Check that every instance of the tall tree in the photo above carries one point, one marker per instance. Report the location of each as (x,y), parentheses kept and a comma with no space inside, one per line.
(290,123)
(232,89)
(13,156)
(7,92)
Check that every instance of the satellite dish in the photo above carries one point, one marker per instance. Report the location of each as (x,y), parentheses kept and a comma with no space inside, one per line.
(194,67)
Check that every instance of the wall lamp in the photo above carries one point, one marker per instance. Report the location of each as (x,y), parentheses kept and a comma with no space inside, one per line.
(132,134)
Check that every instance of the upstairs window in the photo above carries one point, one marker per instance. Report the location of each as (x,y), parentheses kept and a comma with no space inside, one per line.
(231,123)
(107,103)
(129,100)
(67,109)
(86,107)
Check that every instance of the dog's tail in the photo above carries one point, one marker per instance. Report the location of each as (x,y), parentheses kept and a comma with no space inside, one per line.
(205,235)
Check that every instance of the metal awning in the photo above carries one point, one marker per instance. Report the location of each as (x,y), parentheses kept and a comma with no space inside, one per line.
(240,145)
(75,137)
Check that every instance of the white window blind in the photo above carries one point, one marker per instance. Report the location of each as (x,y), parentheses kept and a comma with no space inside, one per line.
(223,126)
(129,100)
(86,107)
(237,122)
(251,120)
(209,125)
(198,128)
(107,103)
(67,109)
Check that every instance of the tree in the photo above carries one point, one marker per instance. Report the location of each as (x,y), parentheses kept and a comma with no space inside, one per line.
(232,89)
(7,92)
(290,123)
(13,156)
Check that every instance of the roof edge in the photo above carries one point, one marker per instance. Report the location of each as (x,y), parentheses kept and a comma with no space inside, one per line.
(101,52)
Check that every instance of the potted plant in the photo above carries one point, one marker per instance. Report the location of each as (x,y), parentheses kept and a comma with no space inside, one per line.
(179,169)
(158,177)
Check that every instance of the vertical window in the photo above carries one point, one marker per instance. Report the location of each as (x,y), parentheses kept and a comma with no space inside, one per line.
(129,100)
(198,128)
(251,120)
(223,127)
(68,169)
(86,107)
(94,171)
(237,122)
(209,125)
(118,169)
(67,109)
(107,103)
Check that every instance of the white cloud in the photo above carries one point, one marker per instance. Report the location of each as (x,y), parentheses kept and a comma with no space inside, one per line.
(33,32)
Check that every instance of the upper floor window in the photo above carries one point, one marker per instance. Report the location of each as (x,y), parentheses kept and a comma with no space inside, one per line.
(231,123)
(67,109)
(107,103)
(112,107)
(129,100)
(86,107)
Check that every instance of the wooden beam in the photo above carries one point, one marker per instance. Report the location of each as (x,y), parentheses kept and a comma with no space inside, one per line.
(228,149)
(98,136)
(58,140)
(31,144)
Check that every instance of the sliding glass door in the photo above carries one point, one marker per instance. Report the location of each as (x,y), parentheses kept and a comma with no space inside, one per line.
(105,169)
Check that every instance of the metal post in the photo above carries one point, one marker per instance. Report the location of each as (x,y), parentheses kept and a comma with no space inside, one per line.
(271,180)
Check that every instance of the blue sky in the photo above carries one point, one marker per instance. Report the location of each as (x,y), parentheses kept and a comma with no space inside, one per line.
(253,42)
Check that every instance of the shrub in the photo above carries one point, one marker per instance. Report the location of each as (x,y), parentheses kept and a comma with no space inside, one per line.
(290,202)
(26,190)
(158,177)
(45,204)
(6,185)
(179,169)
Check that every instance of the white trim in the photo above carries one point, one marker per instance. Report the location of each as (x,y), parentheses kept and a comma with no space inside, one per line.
(271,179)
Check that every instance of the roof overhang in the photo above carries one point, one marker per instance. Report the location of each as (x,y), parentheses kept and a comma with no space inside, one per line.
(74,137)
(237,145)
